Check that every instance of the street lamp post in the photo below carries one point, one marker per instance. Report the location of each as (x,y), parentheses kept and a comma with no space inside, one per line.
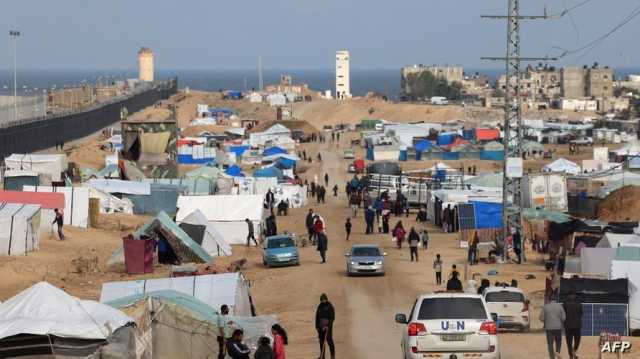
(14,36)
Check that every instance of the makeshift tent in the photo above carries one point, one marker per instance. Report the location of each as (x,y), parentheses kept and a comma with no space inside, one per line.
(111,204)
(76,203)
(485,180)
(273,151)
(279,156)
(597,261)
(46,310)
(119,186)
(19,227)
(615,240)
(153,147)
(386,153)
(238,150)
(162,197)
(190,186)
(47,202)
(270,171)
(51,165)
(446,138)
(545,215)
(215,290)
(295,194)
(487,214)
(206,235)
(422,145)
(234,171)
(626,264)
(185,248)
(205,172)
(530,146)
(170,321)
(14,180)
(493,146)
(562,165)
(194,150)
(227,213)
(274,134)
(487,134)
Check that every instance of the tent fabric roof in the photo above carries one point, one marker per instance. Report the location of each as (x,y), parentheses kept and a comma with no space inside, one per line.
(184,247)
(205,172)
(238,150)
(201,309)
(119,186)
(487,180)
(270,171)
(627,254)
(596,260)
(46,310)
(222,208)
(234,171)
(273,151)
(422,145)
(276,129)
(545,214)
(493,146)
(562,165)
(277,156)
(615,240)
(213,239)
(532,146)
(43,199)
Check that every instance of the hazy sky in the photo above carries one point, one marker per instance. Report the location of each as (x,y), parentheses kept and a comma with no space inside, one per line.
(299,34)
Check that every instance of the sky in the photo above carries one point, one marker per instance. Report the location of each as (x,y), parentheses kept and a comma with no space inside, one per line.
(302,34)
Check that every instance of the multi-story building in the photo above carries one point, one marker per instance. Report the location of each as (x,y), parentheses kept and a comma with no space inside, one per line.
(600,82)
(450,73)
(145,64)
(587,82)
(539,83)
(343,87)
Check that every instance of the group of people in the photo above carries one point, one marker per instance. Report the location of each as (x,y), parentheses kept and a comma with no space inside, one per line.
(557,317)
(230,340)
(316,229)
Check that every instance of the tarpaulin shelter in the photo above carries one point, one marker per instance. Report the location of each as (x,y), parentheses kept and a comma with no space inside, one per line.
(205,172)
(446,138)
(562,165)
(153,147)
(185,248)
(227,213)
(215,290)
(422,145)
(596,261)
(234,171)
(50,165)
(285,163)
(487,134)
(615,240)
(215,111)
(255,185)
(626,264)
(171,321)
(110,203)
(19,227)
(76,203)
(14,180)
(485,180)
(47,202)
(189,186)
(119,186)
(161,197)
(238,150)
(487,214)
(277,156)
(44,320)
(205,234)
(195,151)
(273,151)
(270,171)
(274,134)
(295,194)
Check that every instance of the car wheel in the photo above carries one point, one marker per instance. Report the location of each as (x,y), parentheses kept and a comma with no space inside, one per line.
(525,329)
(266,264)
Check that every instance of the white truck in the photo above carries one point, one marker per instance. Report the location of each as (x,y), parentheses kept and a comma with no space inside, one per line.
(439,100)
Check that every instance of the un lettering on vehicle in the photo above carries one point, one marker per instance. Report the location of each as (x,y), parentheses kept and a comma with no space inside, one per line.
(446,325)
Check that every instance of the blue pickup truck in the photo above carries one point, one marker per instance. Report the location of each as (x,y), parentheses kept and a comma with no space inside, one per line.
(280,250)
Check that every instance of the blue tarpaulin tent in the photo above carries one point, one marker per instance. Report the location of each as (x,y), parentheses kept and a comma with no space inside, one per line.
(286,163)
(163,197)
(234,171)
(238,150)
(273,151)
(446,138)
(488,214)
(450,156)
(492,155)
(423,145)
(215,111)
(268,172)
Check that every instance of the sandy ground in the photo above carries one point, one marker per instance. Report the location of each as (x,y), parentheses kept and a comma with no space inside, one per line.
(365,306)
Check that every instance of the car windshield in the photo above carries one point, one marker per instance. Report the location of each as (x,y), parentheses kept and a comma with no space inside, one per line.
(365,252)
(280,243)
(452,308)
(504,296)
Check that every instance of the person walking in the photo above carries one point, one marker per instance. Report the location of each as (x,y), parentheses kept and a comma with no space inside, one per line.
(424,238)
(454,283)
(354,201)
(472,255)
(517,245)
(347,227)
(280,339)
(224,330)
(58,220)
(414,242)
(250,234)
(323,193)
(553,317)
(236,348)
(437,267)
(572,324)
(369,218)
(386,213)
(322,246)
(270,198)
(264,350)
(335,190)
(399,233)
(325,317)
(326,179)
(309,222)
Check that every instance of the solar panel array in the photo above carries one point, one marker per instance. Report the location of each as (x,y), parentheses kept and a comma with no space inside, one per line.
(610,318)
(466,216)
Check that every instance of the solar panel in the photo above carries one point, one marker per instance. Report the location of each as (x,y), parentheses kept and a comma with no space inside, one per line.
(610,318)
(466,216)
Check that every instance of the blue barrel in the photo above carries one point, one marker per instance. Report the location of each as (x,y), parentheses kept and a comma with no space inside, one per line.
(418,155)
(370,153)
(403,154)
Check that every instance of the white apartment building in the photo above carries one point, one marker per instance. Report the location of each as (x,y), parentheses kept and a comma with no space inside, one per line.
(343,87)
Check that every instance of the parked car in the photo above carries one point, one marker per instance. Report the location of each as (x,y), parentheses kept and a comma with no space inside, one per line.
(449,325)
(439,100)
(349,154)
(365,259)
(511,305)
(280,250)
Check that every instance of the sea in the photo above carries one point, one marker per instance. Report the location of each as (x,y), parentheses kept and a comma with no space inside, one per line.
(383,81)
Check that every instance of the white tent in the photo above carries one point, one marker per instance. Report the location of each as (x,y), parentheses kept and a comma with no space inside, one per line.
(277,99)
(596,260)
(111,204)
(119,186)
(215,290)
(627,265)
(275,134)
(52,165)
(76,203)
(46,310)
(213,241)
(227,213)
(562,165)
(296,195)
(19,227)
(615,240)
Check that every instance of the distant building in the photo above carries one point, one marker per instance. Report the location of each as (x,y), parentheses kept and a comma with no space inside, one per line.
(286,79)
(145,64)
(343,87)
(631,82)
(450,73)
(587,82)
(537,83)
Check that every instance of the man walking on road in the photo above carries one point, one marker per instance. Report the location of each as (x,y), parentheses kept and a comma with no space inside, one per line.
(437,267)
(59,221)
(414,242)
(553,317)
(251,234)
(326,179)
(347,227)
(325,316)
(573,324)
(369,217)
(309,222)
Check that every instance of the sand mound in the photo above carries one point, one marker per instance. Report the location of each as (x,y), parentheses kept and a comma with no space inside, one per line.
(621,205)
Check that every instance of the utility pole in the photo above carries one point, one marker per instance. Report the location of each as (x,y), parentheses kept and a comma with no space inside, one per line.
(14,37)
(260,81)
(512,182)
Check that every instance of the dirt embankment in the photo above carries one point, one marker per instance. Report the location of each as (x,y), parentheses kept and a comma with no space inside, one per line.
(621,205)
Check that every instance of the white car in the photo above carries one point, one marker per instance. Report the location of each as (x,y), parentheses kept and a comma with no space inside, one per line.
(511,305)
(449,325)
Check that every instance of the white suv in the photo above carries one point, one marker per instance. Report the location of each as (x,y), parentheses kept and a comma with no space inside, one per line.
(449,325)
(511,305)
